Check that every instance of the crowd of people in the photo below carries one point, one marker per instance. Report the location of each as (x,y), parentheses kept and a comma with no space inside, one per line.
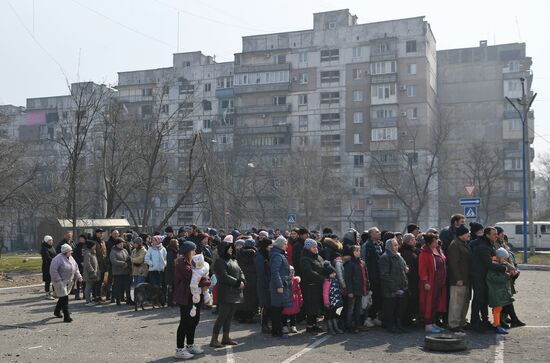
(386,279)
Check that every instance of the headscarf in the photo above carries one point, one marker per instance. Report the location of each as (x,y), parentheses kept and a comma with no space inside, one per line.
(407,237)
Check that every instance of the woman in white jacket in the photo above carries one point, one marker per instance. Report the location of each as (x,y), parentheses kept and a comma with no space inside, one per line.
(155,258)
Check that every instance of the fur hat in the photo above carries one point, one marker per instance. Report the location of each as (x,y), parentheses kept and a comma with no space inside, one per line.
(66,248)
(228,238)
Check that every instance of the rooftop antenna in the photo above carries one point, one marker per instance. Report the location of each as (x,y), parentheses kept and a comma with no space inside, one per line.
(517,26)
(33,18)
(78,66)
(178,45)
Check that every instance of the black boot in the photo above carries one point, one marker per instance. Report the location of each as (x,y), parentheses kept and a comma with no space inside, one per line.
(66,316)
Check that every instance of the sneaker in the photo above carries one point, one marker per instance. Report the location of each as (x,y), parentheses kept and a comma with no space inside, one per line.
(377,322)
(500,330)
(182,353)
(517,324)
(293,329)
(194,349)
(369,323)
(285,330)
(89,304)
(433,330)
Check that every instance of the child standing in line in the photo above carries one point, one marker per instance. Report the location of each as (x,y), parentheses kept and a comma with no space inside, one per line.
(500,289)
(289,313)
(332,298)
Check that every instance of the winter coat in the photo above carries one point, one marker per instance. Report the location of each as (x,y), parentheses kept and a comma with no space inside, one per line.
(78,256)
(246,259)
(182,281)
(392,273)
(339,267)
(332,297)
(410,255)
(312,281)
(290,251)
(155,258)
(447,235)
(64,269)
(482,259)
(171,255)
(370,253)
(48,253)
(426,274)
(459,257)
(297,299)
(139,267)
(280,277)
(229,276)
(331,249)
(61,243)
(355,284)
(120,261)
(90,266)
(297,250)
(263,272)
(500,289)
(101,254)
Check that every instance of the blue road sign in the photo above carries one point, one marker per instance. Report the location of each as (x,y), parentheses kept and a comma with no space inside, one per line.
(467,202)
(291,218)
(470,212)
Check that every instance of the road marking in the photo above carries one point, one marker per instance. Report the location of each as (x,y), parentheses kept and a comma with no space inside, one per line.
(307,349)
(41,330)
(38,346)
(499,350)
(538,327)
(229,353)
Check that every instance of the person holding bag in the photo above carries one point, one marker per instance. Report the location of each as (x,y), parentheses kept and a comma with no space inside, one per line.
(64,271)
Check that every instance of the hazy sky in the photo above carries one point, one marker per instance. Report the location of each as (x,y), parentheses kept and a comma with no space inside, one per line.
(44,41)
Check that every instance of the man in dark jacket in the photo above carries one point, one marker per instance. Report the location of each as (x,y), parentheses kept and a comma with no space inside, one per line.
(482,262)
(448,233)
(169,235)
(459,257)
(109,244)
(48,253)
(67,239)
(297,249)
(410,253)
(370,253)
(312,284)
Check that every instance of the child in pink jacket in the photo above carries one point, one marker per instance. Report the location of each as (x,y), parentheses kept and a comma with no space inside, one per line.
(289,313)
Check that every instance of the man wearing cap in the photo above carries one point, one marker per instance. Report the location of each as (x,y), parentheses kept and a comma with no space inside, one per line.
(459,257)
(297,248)
(169,235)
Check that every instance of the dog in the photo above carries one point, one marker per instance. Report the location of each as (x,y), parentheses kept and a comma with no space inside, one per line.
(149,292)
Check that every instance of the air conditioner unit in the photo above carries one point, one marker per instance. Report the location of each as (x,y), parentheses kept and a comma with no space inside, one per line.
(403,88)
(264,115)
(268,55)
(295,79)
(404,113)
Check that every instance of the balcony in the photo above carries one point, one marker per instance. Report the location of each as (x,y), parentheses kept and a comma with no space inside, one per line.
(266,87)
(384,122)
(262,68)
(225,92)
(384,213)
(246,110)
(274,129)
(390,55)
(516,74)
(384,78)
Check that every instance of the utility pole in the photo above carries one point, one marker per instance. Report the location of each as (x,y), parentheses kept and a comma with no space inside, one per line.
(526,170)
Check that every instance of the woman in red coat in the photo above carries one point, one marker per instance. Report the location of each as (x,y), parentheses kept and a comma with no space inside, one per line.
(432,273)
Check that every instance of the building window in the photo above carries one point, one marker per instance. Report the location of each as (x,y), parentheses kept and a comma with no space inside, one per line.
(207,87)
(357,73)
(207,124)
(358,117)
(357,96)
(411,68)
(187,106)
(411,91)
(359,204)
(165,90)
(280,59)
(513,164)
(328,98)
(146,91)
(304,78)
(357,139)
(330,140)
(302,140)
(332,25)
(330,118)
(146,110)
(278,120)
(225,82)
(206,105)
(358,161)
(412,113)
(515,125)
(384,134)
(329,55)
(383,91)
(330,76)
(411,46)
(383,113)
(359,182)
(303,56)
(279,100)
(187,88)
(330,162)
(302,121)
(383,47)
(356,52)
(383,67)
(302,99)
(164,109)
(412,158)
(385,158)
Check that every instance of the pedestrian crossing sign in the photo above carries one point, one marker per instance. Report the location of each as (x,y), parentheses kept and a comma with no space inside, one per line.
(291,218)
(470,212)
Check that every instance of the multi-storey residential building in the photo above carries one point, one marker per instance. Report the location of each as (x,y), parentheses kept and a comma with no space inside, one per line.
(472,86)
(346,113)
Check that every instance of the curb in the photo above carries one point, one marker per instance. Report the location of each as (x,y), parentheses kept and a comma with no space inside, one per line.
(528,267)
(16,289)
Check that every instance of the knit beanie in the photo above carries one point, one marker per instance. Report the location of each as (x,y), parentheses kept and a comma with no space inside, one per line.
(501,252)
(475,227)
(310,243)
(461,230)
(327,268)
(280,241)
(239,242)
(407,238)
(228,239)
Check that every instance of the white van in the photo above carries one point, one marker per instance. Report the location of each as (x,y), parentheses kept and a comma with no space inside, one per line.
(514,231)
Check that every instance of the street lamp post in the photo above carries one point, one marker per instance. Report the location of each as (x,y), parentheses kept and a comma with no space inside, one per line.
(525,150)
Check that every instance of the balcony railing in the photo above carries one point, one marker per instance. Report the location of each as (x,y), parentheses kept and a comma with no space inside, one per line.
(385,213)
(244,110)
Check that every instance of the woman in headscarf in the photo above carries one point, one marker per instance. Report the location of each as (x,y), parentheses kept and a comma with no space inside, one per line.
(64,271)
(410,253)
(393,276)
(47,252)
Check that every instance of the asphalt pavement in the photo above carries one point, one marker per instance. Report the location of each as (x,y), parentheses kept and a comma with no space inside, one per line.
(30,333)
